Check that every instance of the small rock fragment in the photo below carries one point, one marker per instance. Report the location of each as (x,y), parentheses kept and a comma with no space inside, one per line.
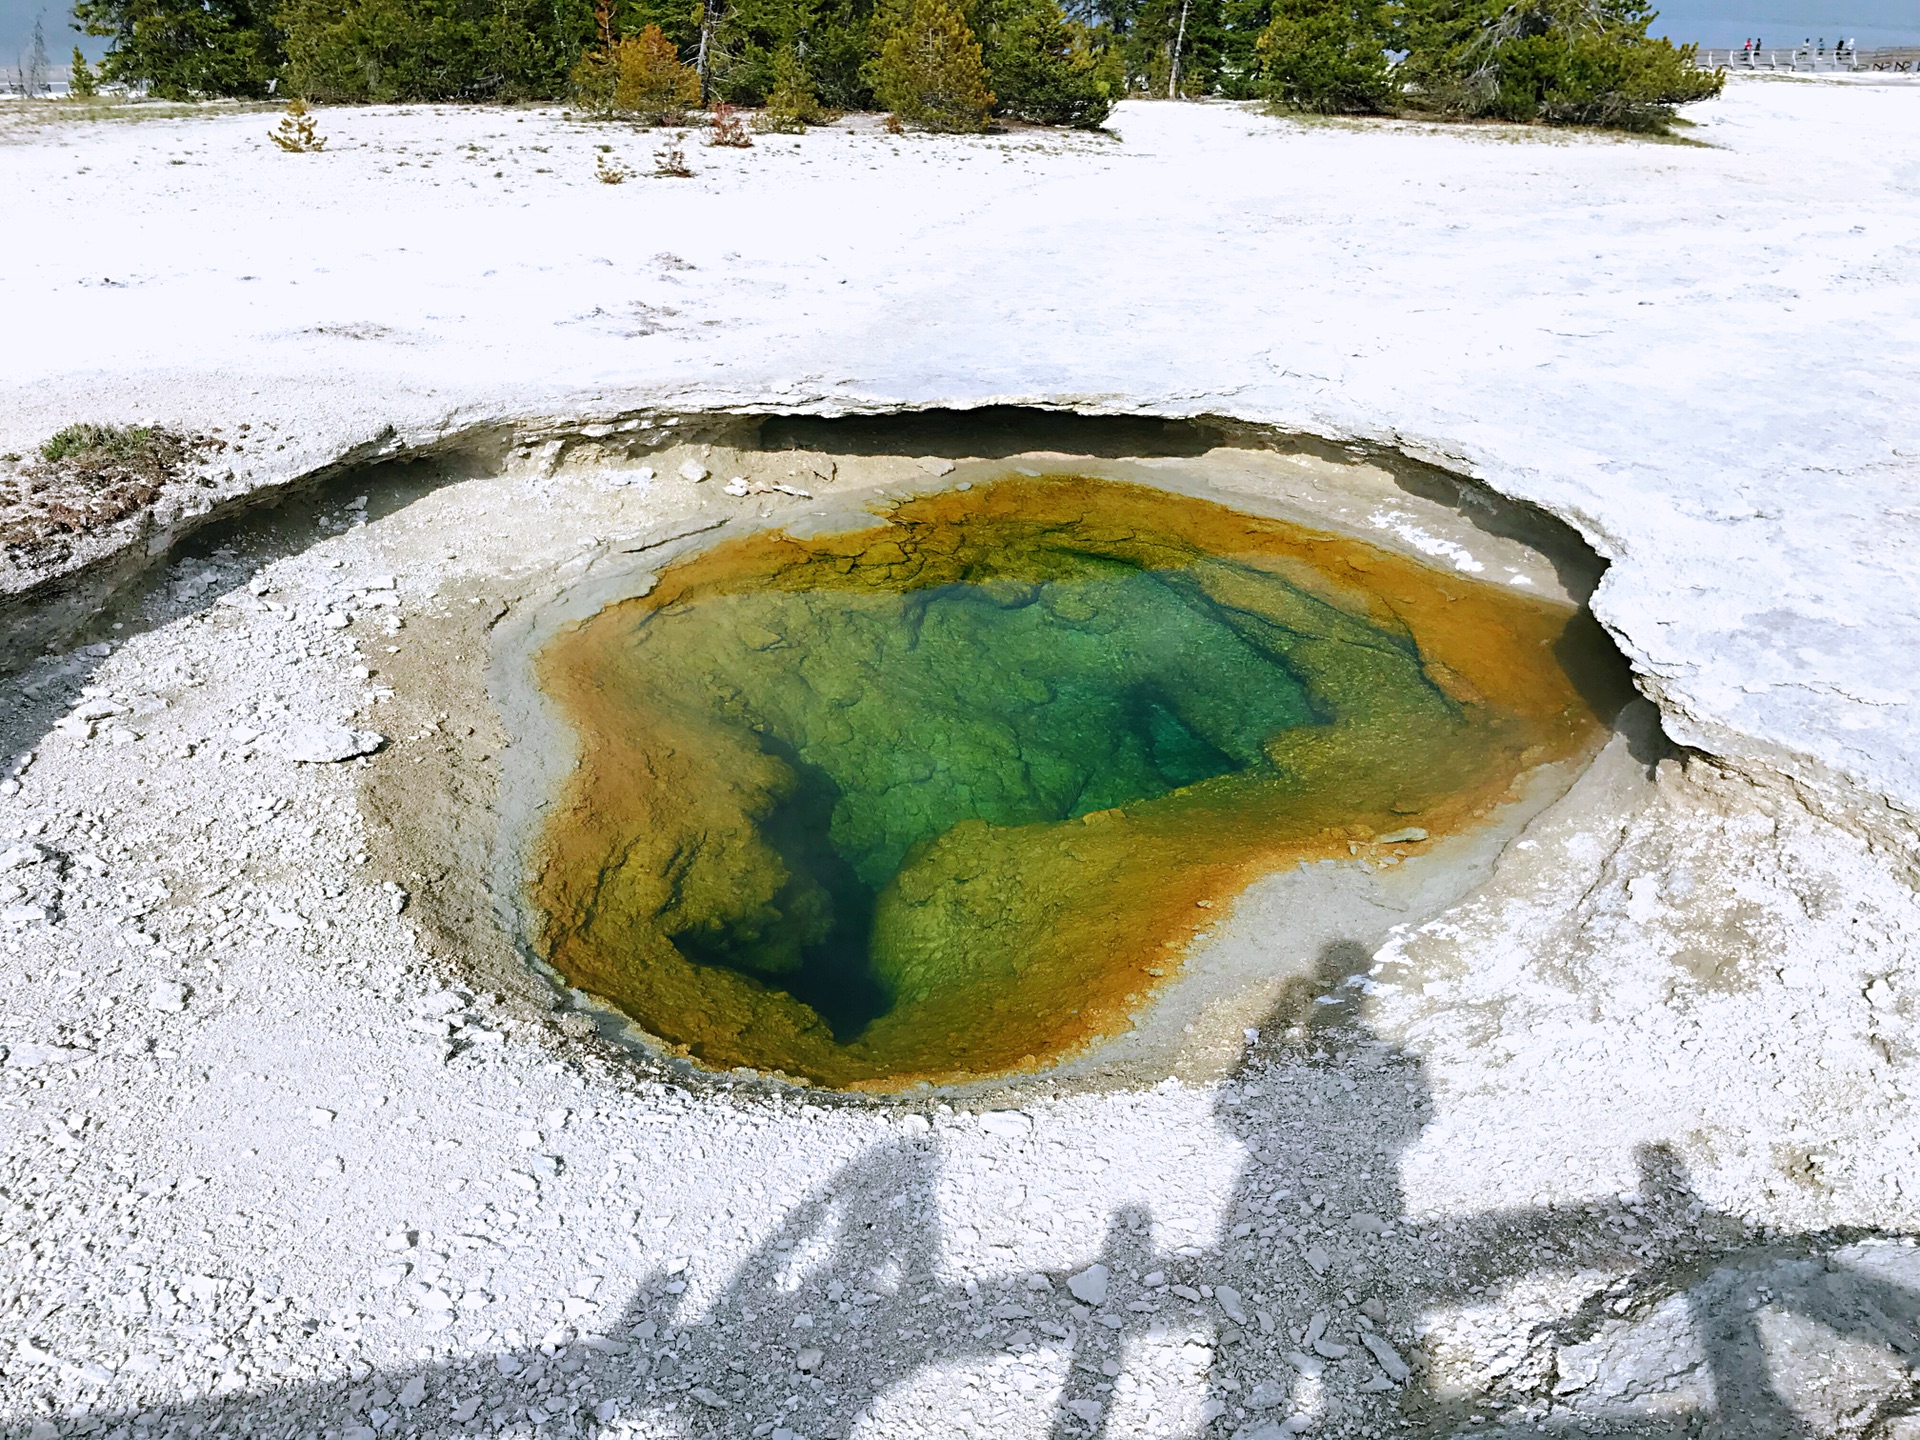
(1229,1301)
(1265,1395)
(169,996)
(314,744)
(16,857)
(1281,1429)
(27,1056)
(808,1360)
(439,1003)
(693,470)
(1389,1358)
(1089,1287)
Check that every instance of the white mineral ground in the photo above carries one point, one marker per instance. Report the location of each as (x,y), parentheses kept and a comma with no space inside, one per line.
(1622,1142)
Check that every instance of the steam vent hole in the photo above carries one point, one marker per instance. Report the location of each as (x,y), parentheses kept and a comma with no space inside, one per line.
(938,799)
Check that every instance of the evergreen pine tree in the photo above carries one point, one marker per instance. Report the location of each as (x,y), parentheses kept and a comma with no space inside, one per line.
(1044,68)
(296,133)
(182,49)
(385,50)
(1151,32)
(639,75)
(791,105)
(1329,56)
(650,80)
(929,71)
(1581,62)
(81,84)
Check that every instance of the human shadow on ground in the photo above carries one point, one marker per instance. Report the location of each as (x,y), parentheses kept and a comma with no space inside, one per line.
(1312,1311)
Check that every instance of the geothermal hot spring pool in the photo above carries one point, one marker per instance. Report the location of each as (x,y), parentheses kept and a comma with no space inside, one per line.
(947,793)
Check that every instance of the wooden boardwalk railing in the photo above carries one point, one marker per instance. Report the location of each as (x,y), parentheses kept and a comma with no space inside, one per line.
(1812,58)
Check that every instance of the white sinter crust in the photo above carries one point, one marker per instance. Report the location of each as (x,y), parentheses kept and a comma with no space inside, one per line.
(271,1151)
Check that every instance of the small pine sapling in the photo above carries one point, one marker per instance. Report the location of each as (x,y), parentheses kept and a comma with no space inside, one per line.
(671,160)
(791,105)
(609,171)
(727,129)
(295,133)
(81,84)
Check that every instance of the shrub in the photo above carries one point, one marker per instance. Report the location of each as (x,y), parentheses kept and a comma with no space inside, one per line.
(87,476)
(929,70)
(1586,62)
(81,84)
(727,131)
(639,76)
(1044,69)
(671,160)
(142,450)
(183,49)
(1328,56)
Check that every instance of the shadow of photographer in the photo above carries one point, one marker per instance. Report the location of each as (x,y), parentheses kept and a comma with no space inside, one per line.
(1311,1311)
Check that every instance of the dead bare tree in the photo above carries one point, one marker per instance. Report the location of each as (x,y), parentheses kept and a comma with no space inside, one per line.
(33,76)
(1179,40)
